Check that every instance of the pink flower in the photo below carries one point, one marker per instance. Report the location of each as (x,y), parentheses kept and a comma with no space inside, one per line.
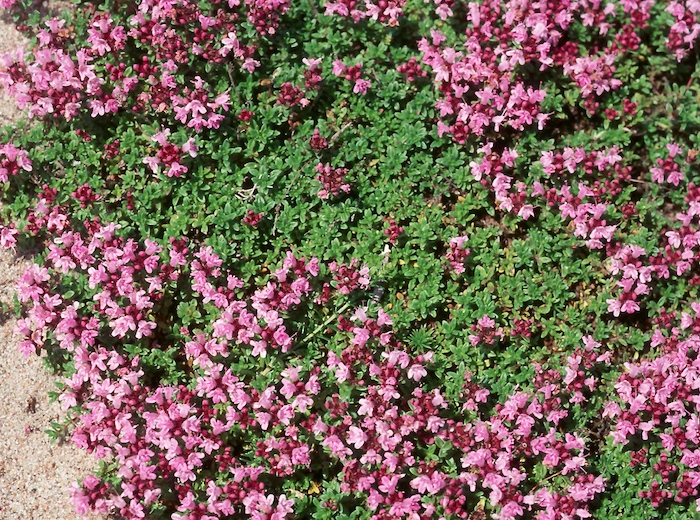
(388,483)
(361,86)
(337,447)
(356,437)
(250,65)
(342,373)
(374,500)
(573,464)
(614,306)
(691,458)
(338,68)
(7,237)
(417,372)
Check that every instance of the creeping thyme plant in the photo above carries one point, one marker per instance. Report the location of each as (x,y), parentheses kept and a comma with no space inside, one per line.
(346,259)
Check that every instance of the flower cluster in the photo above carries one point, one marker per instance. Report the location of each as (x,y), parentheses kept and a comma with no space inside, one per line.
(580,367)
(332,179)
(676,257)
(679,246)
(348,278)
(265,14)
(317,141)
(128,280)
(352,73)
(252,218)
(489,171)
(658,403)
(384,11)
(393,231)
(312,74)
(170,155)
(594,76)
(587,217)
(486,87)
(634,280)
(165,435)
(412,70)
(290,95)
(13,159)
(85,195)
(54,79)
(685,29)
(668,170)
(485,331)
(457,254)
(197,110)
(481,91)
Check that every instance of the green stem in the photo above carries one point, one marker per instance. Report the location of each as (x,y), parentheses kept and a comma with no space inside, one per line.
(324,324)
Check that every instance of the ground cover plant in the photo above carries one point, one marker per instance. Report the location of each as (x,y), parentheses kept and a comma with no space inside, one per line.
(398,259)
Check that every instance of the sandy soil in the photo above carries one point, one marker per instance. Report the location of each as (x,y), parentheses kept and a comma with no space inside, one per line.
(34,473)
